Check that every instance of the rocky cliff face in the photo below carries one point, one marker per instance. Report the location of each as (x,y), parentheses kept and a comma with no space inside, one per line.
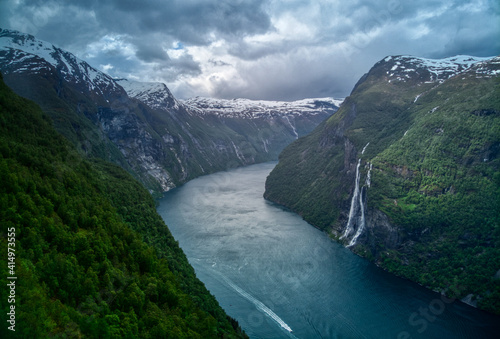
(406,172)
(141,126)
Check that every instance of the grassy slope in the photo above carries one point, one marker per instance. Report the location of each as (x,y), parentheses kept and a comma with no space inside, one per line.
(447,196)
(93,258)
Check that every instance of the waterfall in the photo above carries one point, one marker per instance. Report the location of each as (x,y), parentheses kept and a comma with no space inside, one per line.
(361,219)
(238,153)
(357,210)
(364,148)
(264,142)
(293,127)
(369,175)
(354,204)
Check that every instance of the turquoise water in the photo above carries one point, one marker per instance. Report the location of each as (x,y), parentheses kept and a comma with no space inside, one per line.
(282,278)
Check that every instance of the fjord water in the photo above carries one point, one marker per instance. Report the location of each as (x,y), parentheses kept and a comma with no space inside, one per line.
(282,278)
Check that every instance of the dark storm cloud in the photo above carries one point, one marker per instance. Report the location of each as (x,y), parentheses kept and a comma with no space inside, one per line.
(184,66)
(147,26)
(265,49)
(464,29)
(191,21)
(149,50)
(290,77)
(218,63)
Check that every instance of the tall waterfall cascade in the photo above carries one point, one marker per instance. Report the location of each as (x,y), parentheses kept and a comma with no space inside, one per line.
(357,222)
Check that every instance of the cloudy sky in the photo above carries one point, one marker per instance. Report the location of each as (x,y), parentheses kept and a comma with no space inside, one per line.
(258,49)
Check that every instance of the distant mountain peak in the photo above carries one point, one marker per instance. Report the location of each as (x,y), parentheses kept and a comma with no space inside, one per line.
(488,68)
(23,53)
(154,94)
(405,67)
(247,108)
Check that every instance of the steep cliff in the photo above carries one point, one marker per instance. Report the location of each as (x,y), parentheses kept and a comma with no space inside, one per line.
(406,173)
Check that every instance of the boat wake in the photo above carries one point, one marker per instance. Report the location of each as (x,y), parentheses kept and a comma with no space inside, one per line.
(260,306)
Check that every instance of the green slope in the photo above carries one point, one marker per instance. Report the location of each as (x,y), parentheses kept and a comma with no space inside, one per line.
(71,112)
(433,206)
(92,256)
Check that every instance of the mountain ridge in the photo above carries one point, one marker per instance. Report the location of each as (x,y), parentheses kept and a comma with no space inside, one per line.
(25,47)
(247,108)
(404,163)
(141,126)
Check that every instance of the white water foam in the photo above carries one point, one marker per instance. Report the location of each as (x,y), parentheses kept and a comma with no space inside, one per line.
(256,302)
(361,225)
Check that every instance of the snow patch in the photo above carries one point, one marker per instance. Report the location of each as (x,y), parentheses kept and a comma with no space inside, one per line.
(439,69)
(154,94)
(28,54)
(250,109)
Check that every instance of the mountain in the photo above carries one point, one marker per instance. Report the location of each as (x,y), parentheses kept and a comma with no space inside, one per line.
(223,138)
(23,53)
(407,174)
(141,126)
(300,116)
(90,255)
(154,94)
(252,109)
(266,126)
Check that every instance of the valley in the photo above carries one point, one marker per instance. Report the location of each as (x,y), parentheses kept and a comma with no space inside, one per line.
(142,127)
(401,181)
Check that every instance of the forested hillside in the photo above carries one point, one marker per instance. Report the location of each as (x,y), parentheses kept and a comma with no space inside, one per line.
(91,256)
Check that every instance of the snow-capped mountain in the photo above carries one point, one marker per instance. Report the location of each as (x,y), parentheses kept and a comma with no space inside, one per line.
(23,53)
(157,95)
(245,108)
(154,94)
(403,68)
(141,126)
(486,69)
